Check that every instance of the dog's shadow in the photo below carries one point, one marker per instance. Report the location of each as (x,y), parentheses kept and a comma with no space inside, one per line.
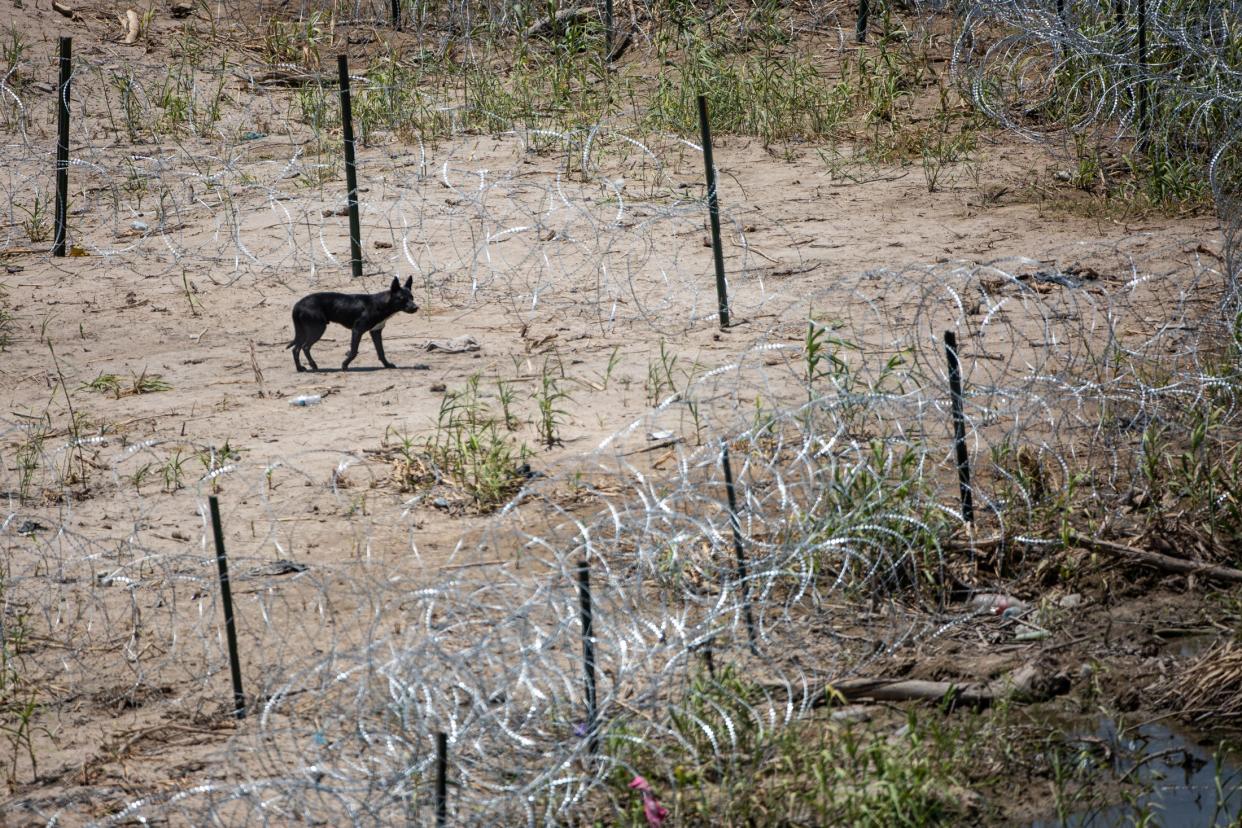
(367,369)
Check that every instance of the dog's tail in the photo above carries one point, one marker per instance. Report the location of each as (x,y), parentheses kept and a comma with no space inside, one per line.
(291,344)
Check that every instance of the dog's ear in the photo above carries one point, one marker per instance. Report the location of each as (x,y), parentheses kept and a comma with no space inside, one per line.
(409,283)
(396,284)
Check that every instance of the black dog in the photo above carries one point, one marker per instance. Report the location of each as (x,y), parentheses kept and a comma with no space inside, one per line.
(360,312)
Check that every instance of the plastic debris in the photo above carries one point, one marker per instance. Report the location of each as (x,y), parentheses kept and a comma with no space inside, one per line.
(1032,635)
(458,345)
(852,713)
(995,603)
(652,809)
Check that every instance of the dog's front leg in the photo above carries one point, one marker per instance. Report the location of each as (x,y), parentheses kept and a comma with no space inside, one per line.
(353,348)
(377,336)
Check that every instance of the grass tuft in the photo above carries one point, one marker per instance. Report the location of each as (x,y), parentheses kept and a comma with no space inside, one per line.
(143,383)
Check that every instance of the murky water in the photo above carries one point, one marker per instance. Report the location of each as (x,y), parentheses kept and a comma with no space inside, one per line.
(1169,779)
(1192,646)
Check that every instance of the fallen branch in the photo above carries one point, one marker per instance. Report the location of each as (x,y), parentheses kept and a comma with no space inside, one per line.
(1167,563)
(472,564)
(286,77)
(1159,561)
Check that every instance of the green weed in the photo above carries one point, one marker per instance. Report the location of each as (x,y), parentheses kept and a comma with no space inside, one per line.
(29,456)
(105,384)
(18,693)
(505,395)
(1204,476)
(469,449)
(12,56)
(37,222)
(660,375)
(139,476)
(172,472)
(216,462)
(298,41)
(143,383)
(132,106)
(614,359)
(548,396)
(721,765)
(774,96)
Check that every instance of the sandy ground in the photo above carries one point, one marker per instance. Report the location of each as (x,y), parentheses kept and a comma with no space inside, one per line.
(549,273)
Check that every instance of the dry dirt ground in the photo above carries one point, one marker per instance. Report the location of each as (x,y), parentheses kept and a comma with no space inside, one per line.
(587,280)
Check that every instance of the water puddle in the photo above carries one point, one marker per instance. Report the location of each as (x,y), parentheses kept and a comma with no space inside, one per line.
(1163,777)
(1187,644)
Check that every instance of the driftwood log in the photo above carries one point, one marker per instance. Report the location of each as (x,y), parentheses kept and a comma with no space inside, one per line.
(286,77)
(1159,561)
(1027,684)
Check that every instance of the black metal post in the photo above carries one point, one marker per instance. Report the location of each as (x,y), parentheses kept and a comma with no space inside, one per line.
(588,653)
(608,33)
(713,212)
(860,28)
(226,599)
(1063,49)
(959,427)
(396,14)
(736,526)
(1144,122)
(62,148)
(351,170)
(441,780)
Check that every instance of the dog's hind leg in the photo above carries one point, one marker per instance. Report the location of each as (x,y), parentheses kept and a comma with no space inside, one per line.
(296,345)
(308,336)
(377,337)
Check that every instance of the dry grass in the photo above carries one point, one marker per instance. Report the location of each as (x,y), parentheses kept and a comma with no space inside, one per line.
(1210,688)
